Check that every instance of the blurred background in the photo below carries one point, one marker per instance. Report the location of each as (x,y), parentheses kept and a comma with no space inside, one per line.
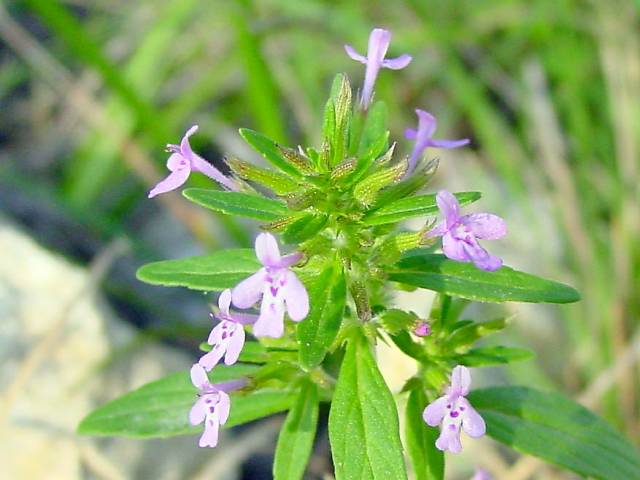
(92,90)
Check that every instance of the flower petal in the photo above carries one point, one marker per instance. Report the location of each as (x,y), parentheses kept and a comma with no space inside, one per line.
(267,250)
(379,41)
(209,437)
(398,62)
(236,342)
(427,124)
(472,423)
(223,407)
(215,335)
(185,146)
(224,302)
(176,161)
(435,411)
(355,55)
(289,260)
(460,381)
(296,297)
(454,248)
(485,225)
(249,291)
(197,412)
(449,439)
(199,376)
(271,320)
(410,134)
(173,181)
(481,258)
(211,359)
(449,143)
(449,206)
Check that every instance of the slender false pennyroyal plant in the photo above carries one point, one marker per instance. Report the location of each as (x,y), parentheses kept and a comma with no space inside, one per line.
(338,211)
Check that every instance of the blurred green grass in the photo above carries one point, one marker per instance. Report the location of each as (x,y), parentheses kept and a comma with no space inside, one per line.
(548,90)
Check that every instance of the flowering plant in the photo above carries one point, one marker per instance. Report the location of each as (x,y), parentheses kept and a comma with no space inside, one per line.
(338,209)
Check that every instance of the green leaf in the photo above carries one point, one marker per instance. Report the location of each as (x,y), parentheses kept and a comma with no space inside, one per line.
(375,128)
(363,421)
(436,272)
(497,355)
(269,150)
(295,442)
(161,408)
(395,320)
(558,430)
(304,228)
(426,459)
(215,272)
(238,204)
(327,293)
(412,207)
(369,156)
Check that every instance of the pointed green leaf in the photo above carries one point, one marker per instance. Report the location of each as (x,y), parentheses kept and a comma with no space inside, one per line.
(426,459)
(497,355)
(269,150)
(412,207)
(375,128)
(363,421)
(238,204)
(215,272)
(317,332)
(436,272)
(295,442)
(558,430)
(304,228)
(161,408)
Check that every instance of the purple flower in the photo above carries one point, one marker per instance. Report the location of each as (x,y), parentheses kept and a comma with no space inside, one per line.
(460,234)
(212,406)
(481,474)
(422,329)
(277,285)
(424,138)
(454,411)
(379,40)
(182,161)
(227,337)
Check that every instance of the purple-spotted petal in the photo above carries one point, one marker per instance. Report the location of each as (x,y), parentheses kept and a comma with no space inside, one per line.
(454,248)
(199,376)
(427,124)
(235,345)
(173,181)
(485,225)
(271,320)
(211,359)
(296,297)
(224,302)
(177,161)
(472,423)
(249,291)
(267,250)
(460,381)
(449,206)
(435,411)
(449,143)
(209,437)
(398,62)
(223,407)
(354,54)
(449,439)
(197,412)
(410,134)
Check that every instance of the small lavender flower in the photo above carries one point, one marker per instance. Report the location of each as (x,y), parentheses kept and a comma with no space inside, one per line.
(212,406)
(453,411)
(424,138)
(422,329)
(379,40)
(228,336)
(460,234)
(481,474)
(277,285)
(182,161)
